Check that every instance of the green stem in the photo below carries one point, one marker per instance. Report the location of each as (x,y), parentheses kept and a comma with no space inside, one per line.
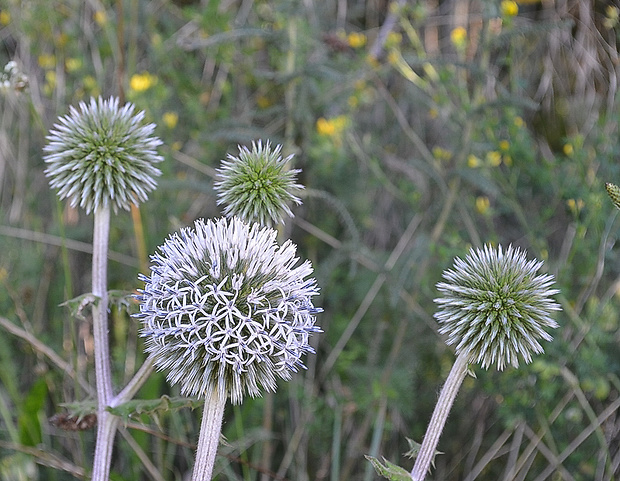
(106,422)
(439,417)
(210,430)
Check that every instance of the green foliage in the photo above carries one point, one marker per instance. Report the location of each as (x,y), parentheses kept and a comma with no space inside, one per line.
(28,418)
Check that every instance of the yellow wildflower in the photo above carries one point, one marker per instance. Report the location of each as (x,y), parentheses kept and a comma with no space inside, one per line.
(494,158)
(100,17)
(458,37)
(142,81)
(356,39)
(5,17)
(568,149)
(509,8)
(90,82)
(473,161)
(263,102)
(73,64)
(50,82)
(323,127)
(433,113)
(393,57)
(170,119)
(441,154)
(372,61)
(575,206)
(62,39)
(393,39)
(504,145)
(482,204)
(519,122)
(47,61)
(612,15)
(331,127)
(50,77)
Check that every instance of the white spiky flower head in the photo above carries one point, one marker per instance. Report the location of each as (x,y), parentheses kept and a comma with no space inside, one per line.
(496,307)
(227,308)
(257,186)
(101,154)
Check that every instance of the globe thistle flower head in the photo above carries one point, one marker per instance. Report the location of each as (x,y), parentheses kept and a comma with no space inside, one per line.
(227,308)
(102,155)
(257,186)
(496,307)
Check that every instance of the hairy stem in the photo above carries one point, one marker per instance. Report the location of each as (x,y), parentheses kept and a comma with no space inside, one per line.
(106,422)
(210,430)
(439,417)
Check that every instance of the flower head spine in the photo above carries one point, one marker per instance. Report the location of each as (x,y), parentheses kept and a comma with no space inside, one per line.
(495,306)
(227,308)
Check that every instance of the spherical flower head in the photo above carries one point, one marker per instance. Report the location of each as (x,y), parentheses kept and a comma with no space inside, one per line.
(495,306)
(227,308)
(102,155)
(257,186)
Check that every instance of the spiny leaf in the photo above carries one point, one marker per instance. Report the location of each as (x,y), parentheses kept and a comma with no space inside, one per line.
(390,471)
(153,407)
(120,299)
(79,409)
(117,298)
(78,304)
(414,450)
(135,407)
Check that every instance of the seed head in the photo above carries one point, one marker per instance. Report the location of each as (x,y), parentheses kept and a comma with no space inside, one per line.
(226,308)
(256,186)
(102,155)
(496,307)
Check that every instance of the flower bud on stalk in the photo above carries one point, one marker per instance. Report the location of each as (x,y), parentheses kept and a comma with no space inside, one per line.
(226,311)
(257,186)
(494,309)
(102,156)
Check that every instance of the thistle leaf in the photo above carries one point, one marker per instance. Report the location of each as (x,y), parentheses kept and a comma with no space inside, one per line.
(390,470)
(415,450)
(153,407)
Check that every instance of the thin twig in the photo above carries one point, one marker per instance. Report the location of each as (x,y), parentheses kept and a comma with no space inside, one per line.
(53,240)
(47,352)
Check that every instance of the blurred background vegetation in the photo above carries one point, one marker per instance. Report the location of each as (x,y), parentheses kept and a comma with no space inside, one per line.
(422,128)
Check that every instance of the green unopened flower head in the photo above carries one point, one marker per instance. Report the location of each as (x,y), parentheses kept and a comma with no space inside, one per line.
(496,307)
(102,155)
(226,308)
(257,186)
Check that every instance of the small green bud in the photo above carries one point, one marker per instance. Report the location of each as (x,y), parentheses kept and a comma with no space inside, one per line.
(257,186)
